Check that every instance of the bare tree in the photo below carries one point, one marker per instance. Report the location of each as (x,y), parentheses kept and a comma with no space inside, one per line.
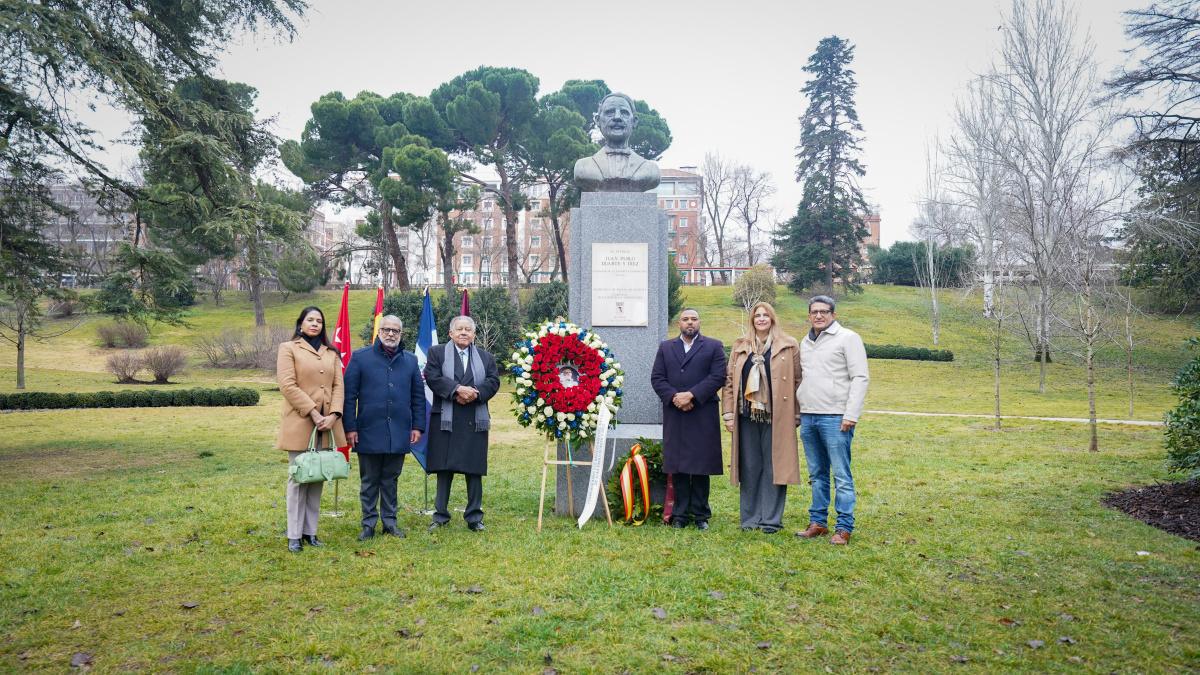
(718,204)
(1089,314)
(1050,139)
(935,222)
(751,194)
(975,178)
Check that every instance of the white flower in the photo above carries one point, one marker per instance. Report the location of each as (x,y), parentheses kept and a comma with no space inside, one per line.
(619,379)
(592,407)
(570,416)
(531,408)
(562,425)
(540,402)
(617,366)
(549,411)
(541,418)
(560,416)
(524,350)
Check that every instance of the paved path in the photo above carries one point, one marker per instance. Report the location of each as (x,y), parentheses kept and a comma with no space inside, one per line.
(1077,420)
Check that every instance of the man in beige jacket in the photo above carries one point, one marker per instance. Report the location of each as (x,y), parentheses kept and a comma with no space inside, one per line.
(831,398)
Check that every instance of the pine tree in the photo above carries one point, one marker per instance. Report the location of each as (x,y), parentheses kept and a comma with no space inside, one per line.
(823,237)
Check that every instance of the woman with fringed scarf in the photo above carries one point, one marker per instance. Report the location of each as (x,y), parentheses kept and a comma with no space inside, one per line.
(760,409)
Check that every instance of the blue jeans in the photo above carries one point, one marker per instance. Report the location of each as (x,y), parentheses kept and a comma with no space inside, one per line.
(827,450)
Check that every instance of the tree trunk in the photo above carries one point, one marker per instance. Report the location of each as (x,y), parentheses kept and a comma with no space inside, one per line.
(989,290)
(254,271)
(749,246)
(20,350)
(996,373)
(514,269)
(389,230)
(936,322)
(1091,332)
(1043,334)
(1129,350)
(447,257)
(558,243)
(829,273)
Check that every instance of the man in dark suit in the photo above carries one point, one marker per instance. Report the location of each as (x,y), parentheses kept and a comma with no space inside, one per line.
(384,415)
(688,374)
(463,378)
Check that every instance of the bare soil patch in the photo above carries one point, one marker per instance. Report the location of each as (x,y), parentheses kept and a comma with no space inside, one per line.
(1174,507)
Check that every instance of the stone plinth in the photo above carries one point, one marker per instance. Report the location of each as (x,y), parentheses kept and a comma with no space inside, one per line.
(620,218)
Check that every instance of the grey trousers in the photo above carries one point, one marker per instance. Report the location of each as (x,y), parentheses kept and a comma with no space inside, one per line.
(762,501)
(303,504)
(441,500)
(378,474)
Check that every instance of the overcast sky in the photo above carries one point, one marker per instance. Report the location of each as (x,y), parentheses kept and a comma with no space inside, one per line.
(725,75)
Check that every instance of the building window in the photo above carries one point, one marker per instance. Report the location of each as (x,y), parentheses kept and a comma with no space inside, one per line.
(535,260)
(681,258)
(683,223)
(485,264)
(487,222)
(535,241)
(467,261)
(487,243)
(468,241)
(487,205)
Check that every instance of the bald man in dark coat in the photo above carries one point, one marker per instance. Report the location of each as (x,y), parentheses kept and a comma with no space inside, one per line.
(688,374)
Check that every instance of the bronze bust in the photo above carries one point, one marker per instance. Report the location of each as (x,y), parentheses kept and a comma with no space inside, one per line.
(616,167)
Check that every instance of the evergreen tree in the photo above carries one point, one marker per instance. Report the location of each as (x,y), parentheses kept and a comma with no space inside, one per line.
(822,239)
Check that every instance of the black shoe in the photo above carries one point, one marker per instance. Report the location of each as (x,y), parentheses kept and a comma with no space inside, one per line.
(702,525)
(475,527)
(367,533)
(311,540)
(293,545)
(677,524)
(769,530)
(435,525)
(394,532)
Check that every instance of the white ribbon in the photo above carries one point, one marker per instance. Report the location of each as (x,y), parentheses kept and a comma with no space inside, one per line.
(599,444)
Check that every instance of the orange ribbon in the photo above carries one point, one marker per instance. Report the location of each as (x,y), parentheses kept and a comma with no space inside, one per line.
(635,462)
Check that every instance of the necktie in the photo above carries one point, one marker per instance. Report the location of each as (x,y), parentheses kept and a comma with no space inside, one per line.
(462,356)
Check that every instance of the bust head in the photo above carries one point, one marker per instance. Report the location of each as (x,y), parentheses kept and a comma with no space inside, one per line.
(616,118)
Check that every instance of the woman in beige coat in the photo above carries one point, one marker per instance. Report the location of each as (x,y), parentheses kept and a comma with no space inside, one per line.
(310,379)
(759,407)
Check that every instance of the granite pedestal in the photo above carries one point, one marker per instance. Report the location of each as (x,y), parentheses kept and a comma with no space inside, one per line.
(619,218)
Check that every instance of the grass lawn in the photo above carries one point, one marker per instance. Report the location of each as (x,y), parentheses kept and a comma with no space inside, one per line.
(153,539)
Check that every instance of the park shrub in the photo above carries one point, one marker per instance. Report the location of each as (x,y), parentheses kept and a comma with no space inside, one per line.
(549,302)
(146,398)
(756,284)
(1183,421)
(164,362)
(62,309)
(908,353)
(123,334)
(124,365)
(236,348)
(899,352)
(497,322)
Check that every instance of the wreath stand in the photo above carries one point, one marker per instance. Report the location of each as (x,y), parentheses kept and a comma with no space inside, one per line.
(547,462)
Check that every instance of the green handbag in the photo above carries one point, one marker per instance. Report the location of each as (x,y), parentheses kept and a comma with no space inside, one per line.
(315,466)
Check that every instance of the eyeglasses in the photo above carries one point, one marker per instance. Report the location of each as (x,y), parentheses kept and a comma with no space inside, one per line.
(820,312)
(390,330)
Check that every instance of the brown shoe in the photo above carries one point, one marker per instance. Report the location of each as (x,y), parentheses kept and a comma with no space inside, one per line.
(814,530)
(840,538)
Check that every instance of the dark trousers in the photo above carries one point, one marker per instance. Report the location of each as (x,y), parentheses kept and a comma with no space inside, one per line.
(691,498)
(378,474)
(441,502)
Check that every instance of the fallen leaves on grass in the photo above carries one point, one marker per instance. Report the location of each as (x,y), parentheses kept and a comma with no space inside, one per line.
(81,660)
(659,613)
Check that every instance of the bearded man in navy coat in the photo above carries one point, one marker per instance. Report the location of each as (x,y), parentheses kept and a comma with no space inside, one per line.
(688,374)
(384,416)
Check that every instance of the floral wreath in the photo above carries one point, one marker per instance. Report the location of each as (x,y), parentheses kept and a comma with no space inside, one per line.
(562,375)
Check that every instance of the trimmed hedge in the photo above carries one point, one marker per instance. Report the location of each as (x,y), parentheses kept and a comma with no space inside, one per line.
(898,352)
(129,398)
(908,353)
